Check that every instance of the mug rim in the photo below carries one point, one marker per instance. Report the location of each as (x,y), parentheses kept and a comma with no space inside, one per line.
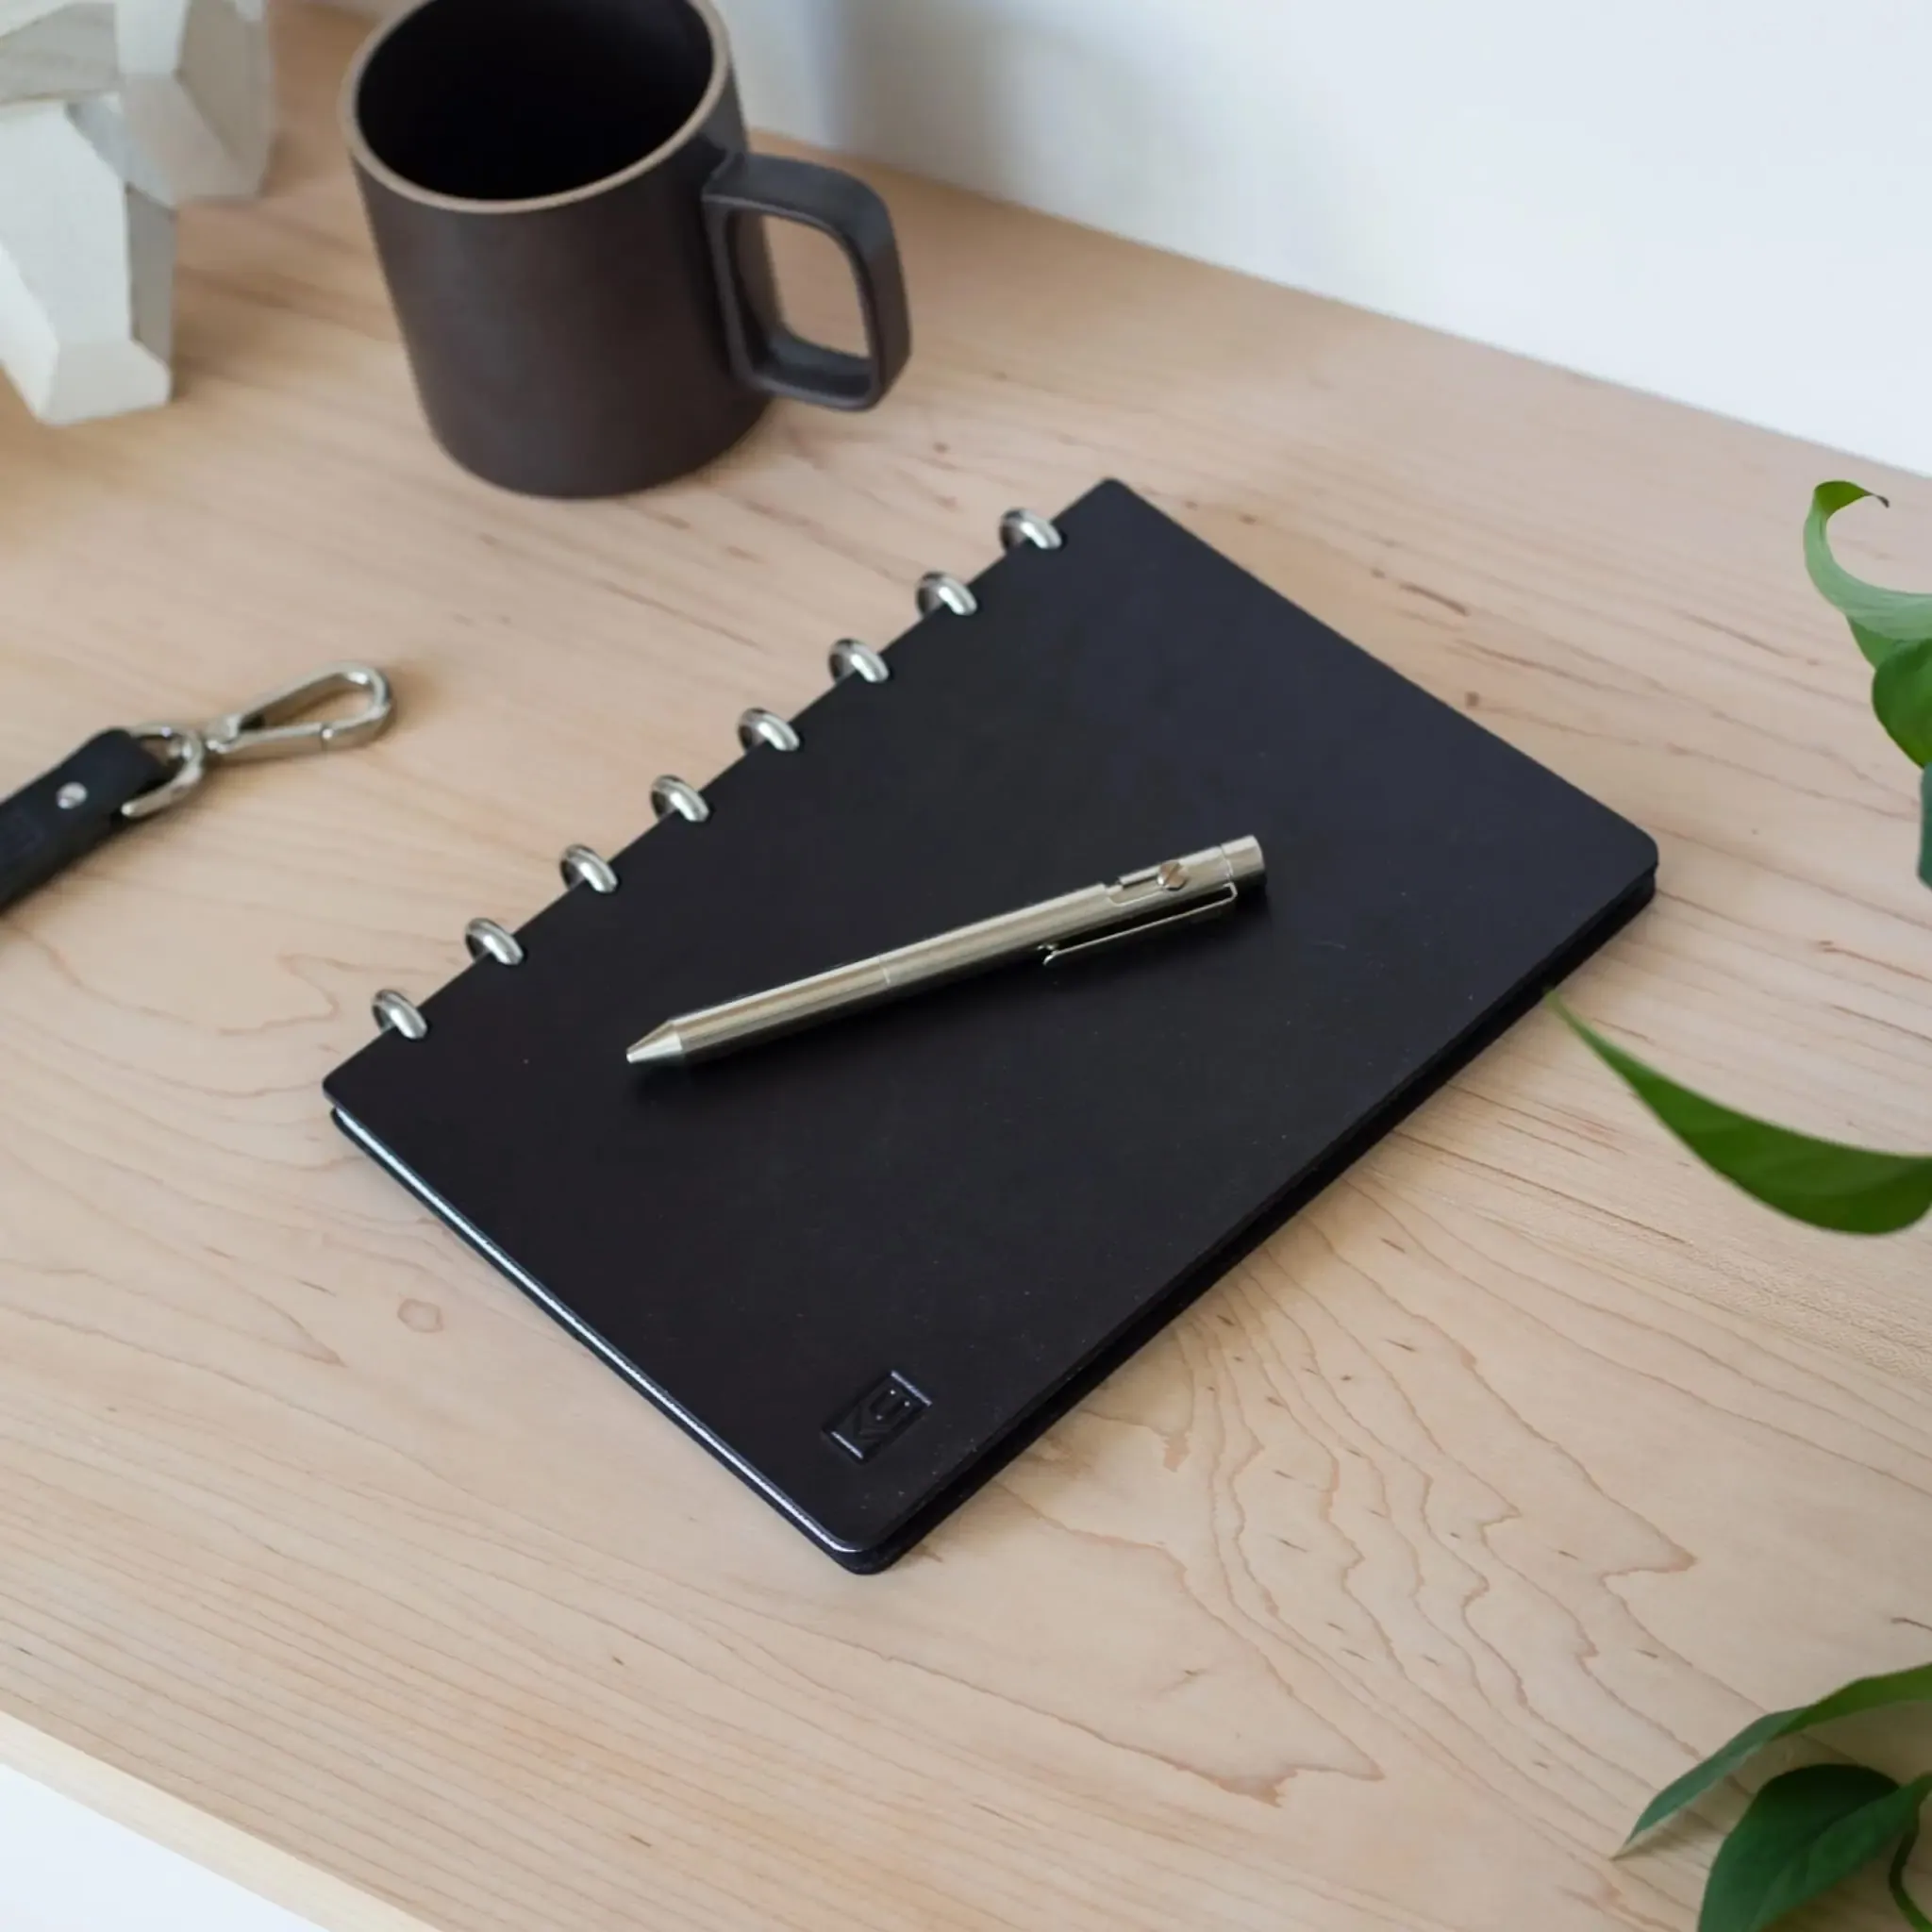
(365,156)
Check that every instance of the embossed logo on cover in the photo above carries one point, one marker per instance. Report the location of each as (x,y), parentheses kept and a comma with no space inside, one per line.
(879,1418)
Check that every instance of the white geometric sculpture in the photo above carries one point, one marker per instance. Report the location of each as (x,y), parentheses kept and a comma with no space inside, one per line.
(111,116)
(197,94)
(87,272)
(51,50)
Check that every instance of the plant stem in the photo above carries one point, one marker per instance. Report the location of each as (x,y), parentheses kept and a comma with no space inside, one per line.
(1897,1879)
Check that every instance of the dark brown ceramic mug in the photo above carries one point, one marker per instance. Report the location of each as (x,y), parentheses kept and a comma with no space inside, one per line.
(565,210)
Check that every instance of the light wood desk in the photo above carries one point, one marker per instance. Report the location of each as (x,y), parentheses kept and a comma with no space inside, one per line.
(1373,1597)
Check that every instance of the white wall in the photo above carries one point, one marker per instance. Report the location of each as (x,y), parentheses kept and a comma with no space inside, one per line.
(1725,201)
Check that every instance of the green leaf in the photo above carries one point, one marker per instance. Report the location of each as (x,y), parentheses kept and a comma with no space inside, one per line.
(1799,1836)
(1895,1878)
(1851,1190)
(1912,1686)
(1881,619)
(1902,696)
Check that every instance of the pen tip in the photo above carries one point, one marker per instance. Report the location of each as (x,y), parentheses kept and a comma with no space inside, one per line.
(658,1049)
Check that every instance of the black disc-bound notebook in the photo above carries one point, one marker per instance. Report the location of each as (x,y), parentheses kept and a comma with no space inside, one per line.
(866,1264)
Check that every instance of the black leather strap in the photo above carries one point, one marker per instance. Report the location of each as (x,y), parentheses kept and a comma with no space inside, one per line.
(64,814)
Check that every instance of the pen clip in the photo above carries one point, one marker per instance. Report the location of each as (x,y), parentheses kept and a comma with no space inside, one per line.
(1222,901)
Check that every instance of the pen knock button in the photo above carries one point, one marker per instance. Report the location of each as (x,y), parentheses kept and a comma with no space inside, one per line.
(1152,882)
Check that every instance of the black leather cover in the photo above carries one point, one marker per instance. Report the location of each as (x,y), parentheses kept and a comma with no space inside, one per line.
(866,1263)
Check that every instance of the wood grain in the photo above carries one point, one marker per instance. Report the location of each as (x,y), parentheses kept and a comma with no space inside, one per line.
(1376,1594)
(322,1902)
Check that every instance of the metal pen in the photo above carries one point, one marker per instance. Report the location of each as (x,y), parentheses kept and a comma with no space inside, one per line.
(1181,890)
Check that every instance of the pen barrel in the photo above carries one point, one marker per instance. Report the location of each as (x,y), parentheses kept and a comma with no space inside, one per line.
(969,949)
(1160,891)
(783,1009)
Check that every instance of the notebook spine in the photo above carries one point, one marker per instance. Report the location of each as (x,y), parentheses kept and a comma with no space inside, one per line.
(938,591)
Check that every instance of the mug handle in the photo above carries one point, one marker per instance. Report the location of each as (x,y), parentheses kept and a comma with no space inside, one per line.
(765,353)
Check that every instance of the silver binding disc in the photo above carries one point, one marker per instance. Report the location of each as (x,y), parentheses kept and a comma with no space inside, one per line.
(670,794)
(580,866)
(850,659)
(939,591)
(486,939)
(395,1014)
(761,726)
(1020,527)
